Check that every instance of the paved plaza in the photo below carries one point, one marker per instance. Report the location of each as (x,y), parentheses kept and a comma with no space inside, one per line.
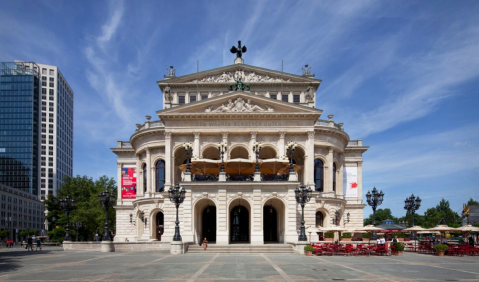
(54,264)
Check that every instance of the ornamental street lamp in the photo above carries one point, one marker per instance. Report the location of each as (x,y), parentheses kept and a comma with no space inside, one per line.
(76,225)
(68,205)
(177,197)
(188,149)
(374,199)
(223,147)
(256,149)
(412,204)
(302,195)
(291,147)
(106,199)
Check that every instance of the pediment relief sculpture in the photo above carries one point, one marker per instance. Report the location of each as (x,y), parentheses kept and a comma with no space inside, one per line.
(248,76)
(239,105)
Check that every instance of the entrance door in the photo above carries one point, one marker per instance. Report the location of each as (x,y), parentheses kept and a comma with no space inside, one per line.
(270,224)
(239,225)
(160,227)
(209,224)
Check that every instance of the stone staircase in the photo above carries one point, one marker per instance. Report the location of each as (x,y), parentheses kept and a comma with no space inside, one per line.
(244,249)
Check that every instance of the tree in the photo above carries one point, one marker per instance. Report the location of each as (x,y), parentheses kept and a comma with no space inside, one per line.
(84,190)
(381,214)
(472,202)
(443,214)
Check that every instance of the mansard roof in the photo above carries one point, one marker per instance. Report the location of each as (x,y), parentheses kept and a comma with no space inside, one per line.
(239,104)
(261,76)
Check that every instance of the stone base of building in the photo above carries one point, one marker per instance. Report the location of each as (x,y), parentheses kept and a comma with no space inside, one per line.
(117,246)
(107,247)
(178,247)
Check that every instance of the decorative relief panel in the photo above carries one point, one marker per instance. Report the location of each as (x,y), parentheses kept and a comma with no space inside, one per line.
(238,105)
(242,139)
(205,195)
(239,195)
(209,139)
(180,139)
(300,139)
(321,151)
(272,139)
(240,74)
(265,196)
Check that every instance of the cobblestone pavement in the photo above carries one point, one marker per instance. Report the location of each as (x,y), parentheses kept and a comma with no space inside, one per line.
(54,264)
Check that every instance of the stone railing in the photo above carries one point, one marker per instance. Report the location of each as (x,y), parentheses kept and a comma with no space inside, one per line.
(355,143)
(329,123)
(123,144)
(149,124)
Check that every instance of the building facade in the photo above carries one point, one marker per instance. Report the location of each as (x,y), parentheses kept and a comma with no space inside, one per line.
(237,105)
(19,210)
(36,125)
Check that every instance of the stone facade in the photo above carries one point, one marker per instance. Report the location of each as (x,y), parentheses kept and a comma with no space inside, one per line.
(279,108)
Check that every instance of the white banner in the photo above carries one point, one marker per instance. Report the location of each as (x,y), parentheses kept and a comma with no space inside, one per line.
(350,181)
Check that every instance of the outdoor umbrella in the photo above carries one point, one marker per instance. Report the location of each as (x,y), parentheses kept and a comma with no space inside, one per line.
(312,229)
(369,228)
(203,166)
(442,228)
(466,229)
(272,166)
(415,229)
(239,166)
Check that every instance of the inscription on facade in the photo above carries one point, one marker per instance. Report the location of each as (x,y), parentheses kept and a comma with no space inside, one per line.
(238,123)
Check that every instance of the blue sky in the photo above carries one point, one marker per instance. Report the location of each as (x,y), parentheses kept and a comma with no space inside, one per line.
(401,75)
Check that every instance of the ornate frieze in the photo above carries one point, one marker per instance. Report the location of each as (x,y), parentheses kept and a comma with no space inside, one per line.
(245,76)
(300,139)
(267,138)
(239,105)
(205,195)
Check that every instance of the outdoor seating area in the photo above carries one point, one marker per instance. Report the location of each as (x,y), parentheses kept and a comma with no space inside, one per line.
(331,249)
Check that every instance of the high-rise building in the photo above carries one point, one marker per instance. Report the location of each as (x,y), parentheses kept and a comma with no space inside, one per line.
(36,127)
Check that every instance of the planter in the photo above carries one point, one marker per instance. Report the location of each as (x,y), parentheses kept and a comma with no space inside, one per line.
(328,239)
(346,239)
(308,253)
(440,253)
(401,239)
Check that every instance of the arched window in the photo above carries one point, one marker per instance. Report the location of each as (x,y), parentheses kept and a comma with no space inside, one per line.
(319,175)
(319,219)
(145,178)
(160,175)
(334,177)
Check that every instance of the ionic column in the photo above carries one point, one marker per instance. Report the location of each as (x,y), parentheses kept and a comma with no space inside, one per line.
(328,172)
(281,145)
(339,176)
(225,140)
(196,145)
(168,161)
(119,167)
(139,180)
(148,170)
(252,141)
(309,161)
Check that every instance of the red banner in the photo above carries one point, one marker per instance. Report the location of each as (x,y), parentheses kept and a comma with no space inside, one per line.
(128,183)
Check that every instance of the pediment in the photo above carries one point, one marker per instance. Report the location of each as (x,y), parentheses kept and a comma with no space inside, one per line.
(248,74)
(238,103)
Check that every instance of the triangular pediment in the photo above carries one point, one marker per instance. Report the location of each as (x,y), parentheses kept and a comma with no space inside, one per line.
(238,103)
(248,74)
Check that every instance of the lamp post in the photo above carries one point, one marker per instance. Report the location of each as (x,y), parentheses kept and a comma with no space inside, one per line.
(177,197)
(256,149)
(291,147)
(68,205)
(223,147)
(302,195)
(374,199)
(76,225)
(106,199)
(188,149)
(412,204)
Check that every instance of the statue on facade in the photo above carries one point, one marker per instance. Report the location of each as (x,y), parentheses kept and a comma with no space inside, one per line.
(167,93)
(171,71)
(309,94)
(240,86)
(239,51)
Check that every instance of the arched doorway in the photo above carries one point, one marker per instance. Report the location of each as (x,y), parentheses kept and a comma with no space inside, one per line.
(239,224)
(320,223)
(239,152)
(270,224)
(160,225)
(208,227)
(298,159)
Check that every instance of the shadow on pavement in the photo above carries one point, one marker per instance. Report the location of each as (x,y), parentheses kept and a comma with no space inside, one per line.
(17,257)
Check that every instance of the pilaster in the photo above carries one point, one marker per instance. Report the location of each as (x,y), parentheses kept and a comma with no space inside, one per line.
(328,171)
(309,161)
(169,162)
(281,145)
(118,174)
(196,144)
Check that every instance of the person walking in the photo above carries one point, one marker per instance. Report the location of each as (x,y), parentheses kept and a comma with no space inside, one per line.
(205,244)
(30,244)
(39,244)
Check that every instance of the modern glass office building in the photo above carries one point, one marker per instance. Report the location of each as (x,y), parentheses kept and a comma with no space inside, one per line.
(36,127)
(19,93)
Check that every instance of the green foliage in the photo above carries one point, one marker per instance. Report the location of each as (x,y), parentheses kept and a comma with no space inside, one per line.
(400,234)
(381,214)
(365,235)
(57,234)
(441,248)
(329,235)
(308,248)
(472,202)
(84,190)
(433,216)
(398,246)
(3,233)
(346,235)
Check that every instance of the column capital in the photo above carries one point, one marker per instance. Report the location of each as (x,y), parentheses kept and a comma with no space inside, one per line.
(167,134)
(282,134)
(224,134)
(253,134)
(311,134)
(196,134)
(119,165)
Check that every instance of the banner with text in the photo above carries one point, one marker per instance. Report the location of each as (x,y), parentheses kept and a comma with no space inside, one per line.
(128,183)
(350,181)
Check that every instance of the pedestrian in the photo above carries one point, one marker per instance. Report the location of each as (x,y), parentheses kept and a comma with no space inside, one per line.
(39,244)
(30,244)
(205,244)
(395,239)
(471,241)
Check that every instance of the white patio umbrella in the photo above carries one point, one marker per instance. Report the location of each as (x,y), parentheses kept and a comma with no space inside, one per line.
(468,229)
(334,229)
(417,229)
(369,228)
(311,230)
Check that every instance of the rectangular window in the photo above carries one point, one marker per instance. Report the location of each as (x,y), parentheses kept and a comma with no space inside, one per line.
(204,96)
(285,97)
(181,99)
(44,91)
(273,95)
(296,98)
(52,72)
(193,98)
